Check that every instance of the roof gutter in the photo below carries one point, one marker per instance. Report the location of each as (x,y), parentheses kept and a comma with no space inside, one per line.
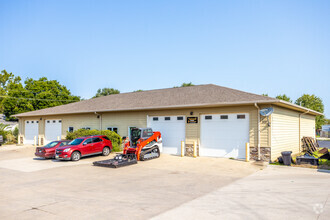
(300,107)
(258,125)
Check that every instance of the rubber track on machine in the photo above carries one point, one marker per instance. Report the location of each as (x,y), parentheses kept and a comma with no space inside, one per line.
(147,151)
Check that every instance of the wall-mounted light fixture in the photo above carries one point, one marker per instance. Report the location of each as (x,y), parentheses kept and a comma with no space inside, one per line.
(191,113)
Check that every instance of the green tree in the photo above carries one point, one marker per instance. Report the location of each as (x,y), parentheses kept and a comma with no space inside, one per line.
(139,90)
(284,98)
(48,93)
(264,94)
(106,91)
(33,95)
(185,85)
(3,132)
(315,103)
(18,100)
(6,79)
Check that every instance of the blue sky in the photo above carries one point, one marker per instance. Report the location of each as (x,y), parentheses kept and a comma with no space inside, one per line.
(272,47)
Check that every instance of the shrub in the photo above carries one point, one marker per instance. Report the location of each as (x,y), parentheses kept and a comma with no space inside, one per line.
(11,139)
(4,135)
(113,136)
(16,132)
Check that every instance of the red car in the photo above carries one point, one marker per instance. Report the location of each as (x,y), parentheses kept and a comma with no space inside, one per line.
(84,146)
(48,151)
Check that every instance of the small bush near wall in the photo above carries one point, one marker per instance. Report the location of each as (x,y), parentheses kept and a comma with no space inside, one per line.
(113,136)
(11,139)
(16,132)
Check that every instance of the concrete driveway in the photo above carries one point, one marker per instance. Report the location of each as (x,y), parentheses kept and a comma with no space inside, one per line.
(276,192)
(45,189)
(170,187)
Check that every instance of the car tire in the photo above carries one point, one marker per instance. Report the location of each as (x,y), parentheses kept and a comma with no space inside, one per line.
(75,156)
(106,151)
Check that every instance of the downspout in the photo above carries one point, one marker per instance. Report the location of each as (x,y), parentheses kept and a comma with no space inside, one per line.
(100,116)
(300,129)
(255,104)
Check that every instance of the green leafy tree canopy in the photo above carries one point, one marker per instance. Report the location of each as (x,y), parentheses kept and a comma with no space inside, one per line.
(315,103)
(106,91)
(185,85)
(32,95)
(284,97)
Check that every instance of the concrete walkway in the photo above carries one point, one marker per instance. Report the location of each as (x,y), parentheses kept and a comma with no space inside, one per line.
(277,192)
(15,147)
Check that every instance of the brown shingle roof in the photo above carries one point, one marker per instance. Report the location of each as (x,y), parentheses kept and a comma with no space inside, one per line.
(193,96)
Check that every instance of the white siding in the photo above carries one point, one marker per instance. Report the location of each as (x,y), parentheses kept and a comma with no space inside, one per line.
(285,130)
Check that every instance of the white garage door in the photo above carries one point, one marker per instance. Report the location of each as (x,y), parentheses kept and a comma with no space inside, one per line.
(224,135)
(172,129)
(53,130)
(31,131)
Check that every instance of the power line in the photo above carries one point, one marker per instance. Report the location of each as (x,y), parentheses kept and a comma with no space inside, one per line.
(25,91)
(32,99)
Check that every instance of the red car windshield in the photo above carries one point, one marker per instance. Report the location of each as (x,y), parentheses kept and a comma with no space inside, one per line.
(76,141)
(51,144)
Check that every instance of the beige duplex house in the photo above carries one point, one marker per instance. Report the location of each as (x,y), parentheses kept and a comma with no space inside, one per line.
(219,120)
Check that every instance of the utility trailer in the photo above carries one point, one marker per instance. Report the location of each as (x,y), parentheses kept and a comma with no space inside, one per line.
(143,144)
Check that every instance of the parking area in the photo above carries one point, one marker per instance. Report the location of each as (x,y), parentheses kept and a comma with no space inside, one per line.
(34,188)
(170,187)
(324,143)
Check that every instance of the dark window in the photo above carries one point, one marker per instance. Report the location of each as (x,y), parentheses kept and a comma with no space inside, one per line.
(95,140)
(114,129)
(87,128)
(147,133)
(54,121)
(63,143)
(106,138)
(180,118)
(70,129)
(167,118)
(51,144)
(48,121)
(60,121)
(32,122)
(223,116)
(88,141)
(240,116)
(155,118)
(76,141)
(208,117)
